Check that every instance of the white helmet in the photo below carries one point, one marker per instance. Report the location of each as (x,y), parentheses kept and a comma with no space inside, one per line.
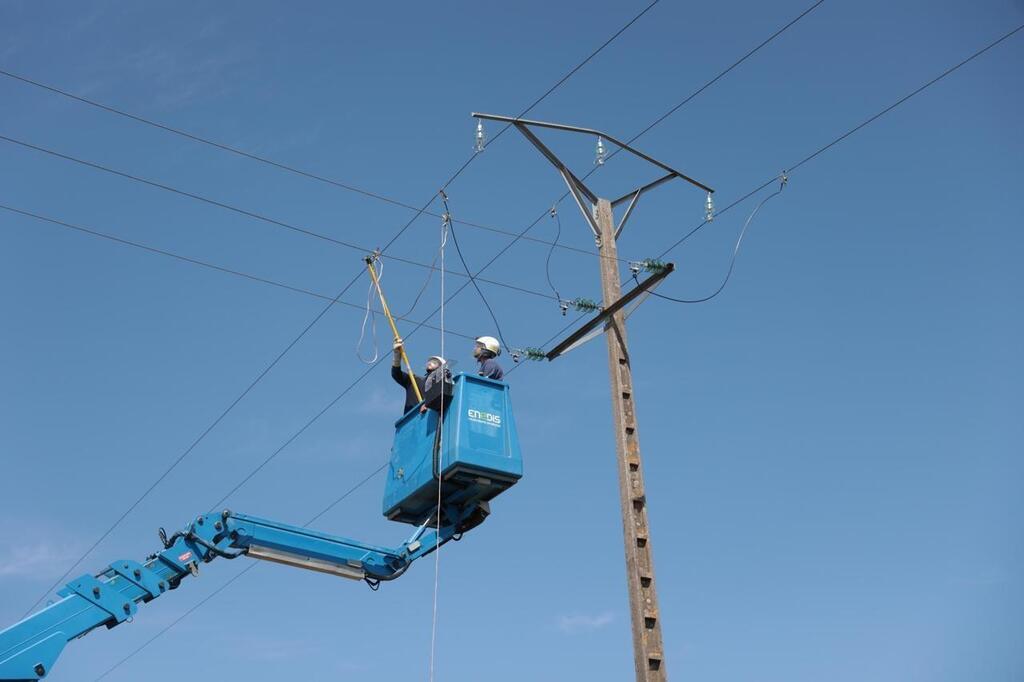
(438,359)
(490,343)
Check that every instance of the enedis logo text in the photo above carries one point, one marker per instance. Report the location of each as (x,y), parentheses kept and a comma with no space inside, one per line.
(483,417)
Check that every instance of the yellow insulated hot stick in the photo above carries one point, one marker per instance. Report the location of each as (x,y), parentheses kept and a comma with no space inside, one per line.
(394,329)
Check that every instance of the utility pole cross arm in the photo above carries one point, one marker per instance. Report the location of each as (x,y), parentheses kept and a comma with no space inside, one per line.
(608,311)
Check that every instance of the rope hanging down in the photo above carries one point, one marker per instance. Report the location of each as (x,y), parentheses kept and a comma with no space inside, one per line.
(443,369)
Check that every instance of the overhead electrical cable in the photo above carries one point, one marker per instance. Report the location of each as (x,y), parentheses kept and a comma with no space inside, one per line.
(661,119)
(220,417)
(238,575)
(800,163)
(205,264)
(316,318)
(719,76)
(547,263)
(732,260)
(469,273)
(850,132)
(448,299)
(518,237)
(277,164)
(242,211)
(323,411)
(298,433)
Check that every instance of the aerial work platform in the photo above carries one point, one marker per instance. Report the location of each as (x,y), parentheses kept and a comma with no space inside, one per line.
(475,452)
(472,450)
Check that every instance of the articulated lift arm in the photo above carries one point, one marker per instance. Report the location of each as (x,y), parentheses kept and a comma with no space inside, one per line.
(29,648)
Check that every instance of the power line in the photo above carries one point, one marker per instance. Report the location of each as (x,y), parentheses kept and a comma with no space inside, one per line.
(235,577)
(659,120)
(573,71)
(806,159)
(724,210)
(242,211)
(205,140)
(498,255)
(194,444)
(472,279)
(366,373)
(732,260)
(903,99)
(850,132)
(719,76)
(278,164)
(317,318)
(669,113)
(288,442)
(202,263)
(305,427)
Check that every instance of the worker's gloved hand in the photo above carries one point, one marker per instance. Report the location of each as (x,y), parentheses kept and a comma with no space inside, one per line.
(396,360)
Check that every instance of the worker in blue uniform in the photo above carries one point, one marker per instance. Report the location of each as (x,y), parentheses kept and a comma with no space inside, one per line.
(485,351)
(402,377)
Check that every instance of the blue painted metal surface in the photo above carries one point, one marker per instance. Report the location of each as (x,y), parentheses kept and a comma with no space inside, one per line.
(476,456)
(477,453)
(29,648)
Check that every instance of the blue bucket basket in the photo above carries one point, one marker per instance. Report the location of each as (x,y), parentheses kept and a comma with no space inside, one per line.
(476,454)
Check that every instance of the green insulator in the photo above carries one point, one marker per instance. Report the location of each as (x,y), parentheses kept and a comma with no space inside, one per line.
(585,305)
(653,265)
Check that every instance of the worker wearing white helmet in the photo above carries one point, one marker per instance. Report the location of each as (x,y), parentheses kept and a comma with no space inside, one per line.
(486,349)
(402,378)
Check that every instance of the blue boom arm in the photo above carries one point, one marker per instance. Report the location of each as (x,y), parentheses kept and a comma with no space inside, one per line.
(466,459)
(29,648)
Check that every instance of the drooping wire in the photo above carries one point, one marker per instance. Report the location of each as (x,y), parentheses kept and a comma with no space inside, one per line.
(783,179)
(469,273)
(371,316)
(520,236)
(426,283)
(419,212)
(547,262)
(502,252)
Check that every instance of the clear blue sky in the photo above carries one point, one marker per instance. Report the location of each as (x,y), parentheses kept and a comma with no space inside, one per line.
(832,446)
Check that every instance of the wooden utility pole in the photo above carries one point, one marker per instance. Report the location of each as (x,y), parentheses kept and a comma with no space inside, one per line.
(648,652)
(643,599)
